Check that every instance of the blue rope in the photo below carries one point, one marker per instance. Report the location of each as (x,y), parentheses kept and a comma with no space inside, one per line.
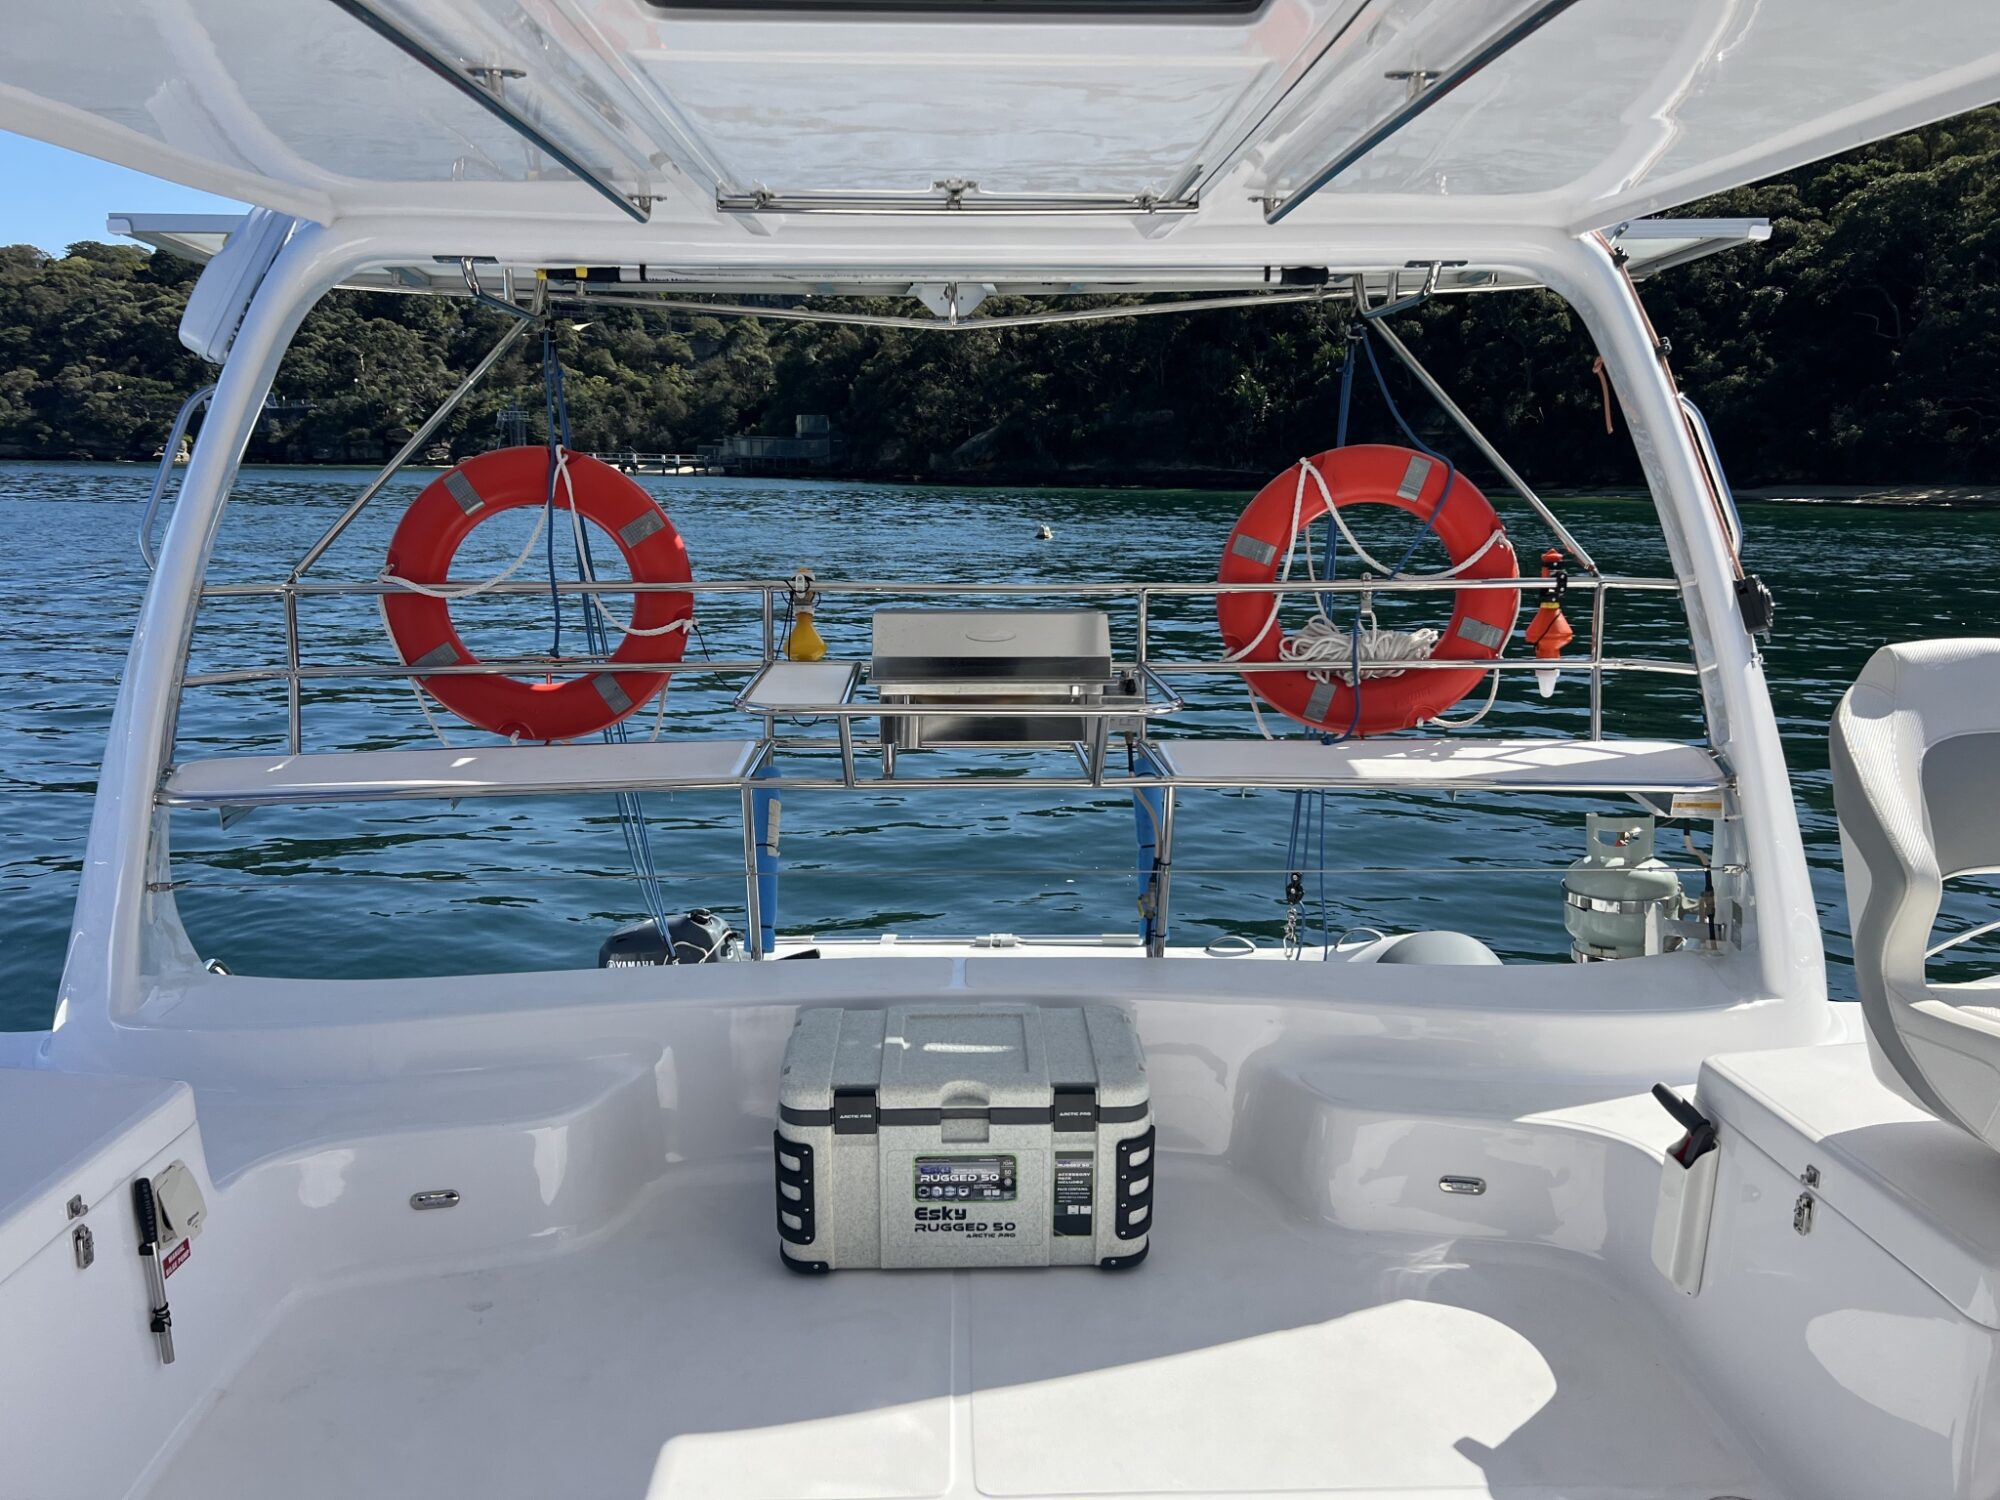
(1359,335)
(1409,434)
(597,639)
(553,402)
(1307,842)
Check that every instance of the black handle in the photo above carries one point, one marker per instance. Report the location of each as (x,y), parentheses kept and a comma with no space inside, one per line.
(1700,1137)
(149,1213)
(1682,1111)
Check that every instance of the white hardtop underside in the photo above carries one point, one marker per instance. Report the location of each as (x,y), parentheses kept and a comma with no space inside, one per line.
(1649,245)
(1163,129)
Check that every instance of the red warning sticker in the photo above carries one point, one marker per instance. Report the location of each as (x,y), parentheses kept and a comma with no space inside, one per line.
(176,1257)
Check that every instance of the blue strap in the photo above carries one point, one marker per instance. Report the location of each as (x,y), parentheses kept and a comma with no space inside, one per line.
(1339,441)
(597,641)
(1409,434)
(1361,337)
(1346,389)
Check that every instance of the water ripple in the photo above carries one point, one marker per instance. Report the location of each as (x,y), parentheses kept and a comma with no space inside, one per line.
(494,886)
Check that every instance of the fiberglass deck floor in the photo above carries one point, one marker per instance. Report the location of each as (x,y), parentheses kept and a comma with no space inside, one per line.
(1253,1352)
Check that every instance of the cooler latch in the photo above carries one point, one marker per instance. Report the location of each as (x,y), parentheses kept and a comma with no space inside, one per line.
(855,1111)
(1075,1110)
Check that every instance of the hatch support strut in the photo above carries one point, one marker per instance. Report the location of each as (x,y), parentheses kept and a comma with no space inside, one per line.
(1425,90)
(481,85)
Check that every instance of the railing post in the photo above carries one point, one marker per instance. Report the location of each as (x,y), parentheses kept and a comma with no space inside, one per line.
(1152,821)
(1597,608)
(766,810)
(753,920)
(294,727)
(1163,884)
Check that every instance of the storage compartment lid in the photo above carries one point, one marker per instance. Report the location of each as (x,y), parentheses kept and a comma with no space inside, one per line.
(1926,1192)
(65,1135)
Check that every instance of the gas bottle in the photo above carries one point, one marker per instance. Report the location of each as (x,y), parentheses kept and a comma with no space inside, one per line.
(1618,900)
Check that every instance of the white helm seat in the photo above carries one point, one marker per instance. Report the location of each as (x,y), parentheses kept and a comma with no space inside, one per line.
(1916,781)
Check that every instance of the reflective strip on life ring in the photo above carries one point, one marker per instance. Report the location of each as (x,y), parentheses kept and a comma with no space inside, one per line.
(1367,474)
(441,518)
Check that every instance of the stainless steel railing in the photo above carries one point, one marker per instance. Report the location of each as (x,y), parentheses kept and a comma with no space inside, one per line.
(1128,715)
(768,595)
(168,455)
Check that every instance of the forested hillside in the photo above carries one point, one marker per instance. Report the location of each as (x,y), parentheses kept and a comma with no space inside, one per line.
(1860,345)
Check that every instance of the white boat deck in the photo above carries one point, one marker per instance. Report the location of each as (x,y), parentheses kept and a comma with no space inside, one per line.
(1254,1352)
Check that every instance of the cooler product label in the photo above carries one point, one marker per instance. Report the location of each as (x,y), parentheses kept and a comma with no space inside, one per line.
(1076,1179)
(965,1179)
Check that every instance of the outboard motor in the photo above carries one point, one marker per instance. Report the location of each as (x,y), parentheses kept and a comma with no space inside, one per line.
(700,937)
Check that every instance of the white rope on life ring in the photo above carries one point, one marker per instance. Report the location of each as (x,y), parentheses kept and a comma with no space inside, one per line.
(1321,640)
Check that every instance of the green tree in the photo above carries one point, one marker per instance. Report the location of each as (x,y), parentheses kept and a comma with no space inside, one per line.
(1861,344)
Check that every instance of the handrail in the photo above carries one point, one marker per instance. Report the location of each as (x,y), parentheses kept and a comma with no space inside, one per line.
(1711,461)
(193,403)
(1110,589)
(1159,698)
(1219,667)
(468,267)
(508,339)
(1478,439)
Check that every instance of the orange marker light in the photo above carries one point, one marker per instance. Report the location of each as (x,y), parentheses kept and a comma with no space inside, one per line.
(1549,631)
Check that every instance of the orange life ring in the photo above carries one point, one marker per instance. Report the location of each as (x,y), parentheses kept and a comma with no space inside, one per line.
(440,519)
(1367,474)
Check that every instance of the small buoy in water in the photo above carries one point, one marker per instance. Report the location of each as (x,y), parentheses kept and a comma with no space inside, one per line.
(1044,533)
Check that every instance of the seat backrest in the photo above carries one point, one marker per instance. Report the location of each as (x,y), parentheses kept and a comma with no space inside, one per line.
(1916,781)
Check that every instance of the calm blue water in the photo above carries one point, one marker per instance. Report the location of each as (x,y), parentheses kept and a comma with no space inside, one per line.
(508,885)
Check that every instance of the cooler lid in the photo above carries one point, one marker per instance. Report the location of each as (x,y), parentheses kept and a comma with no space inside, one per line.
(964,1057)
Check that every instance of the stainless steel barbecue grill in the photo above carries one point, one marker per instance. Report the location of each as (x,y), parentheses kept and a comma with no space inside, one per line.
(953,658)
